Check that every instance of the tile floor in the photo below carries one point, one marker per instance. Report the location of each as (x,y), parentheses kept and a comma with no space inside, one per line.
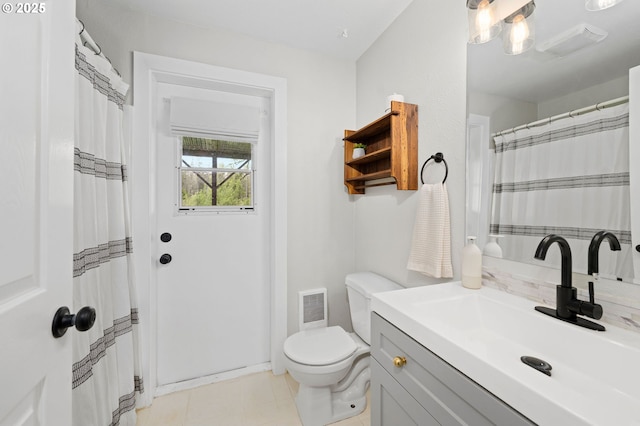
(260,399)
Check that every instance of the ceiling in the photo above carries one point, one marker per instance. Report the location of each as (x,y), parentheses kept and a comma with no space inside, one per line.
(340,28)
(346,29)
(535,76)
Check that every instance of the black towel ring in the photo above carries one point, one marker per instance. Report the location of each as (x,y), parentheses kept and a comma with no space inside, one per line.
(438,158)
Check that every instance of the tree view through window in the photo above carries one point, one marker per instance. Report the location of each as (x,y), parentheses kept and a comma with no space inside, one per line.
(216,173)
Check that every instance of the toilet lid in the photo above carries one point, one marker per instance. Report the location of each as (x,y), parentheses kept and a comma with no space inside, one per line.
(319,346)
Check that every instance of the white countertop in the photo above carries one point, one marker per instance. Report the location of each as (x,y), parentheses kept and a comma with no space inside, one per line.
(483,333)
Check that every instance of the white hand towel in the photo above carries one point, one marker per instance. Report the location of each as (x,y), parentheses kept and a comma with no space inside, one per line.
(431,242)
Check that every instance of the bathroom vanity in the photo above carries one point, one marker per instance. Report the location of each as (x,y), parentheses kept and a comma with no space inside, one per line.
(411,385)
(444,354)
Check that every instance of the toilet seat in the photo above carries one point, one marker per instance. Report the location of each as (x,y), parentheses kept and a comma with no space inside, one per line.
(320,346)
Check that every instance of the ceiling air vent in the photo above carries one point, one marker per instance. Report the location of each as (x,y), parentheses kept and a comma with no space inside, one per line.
(576,38)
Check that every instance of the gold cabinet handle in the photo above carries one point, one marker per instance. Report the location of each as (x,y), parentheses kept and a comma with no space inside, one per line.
(399,361)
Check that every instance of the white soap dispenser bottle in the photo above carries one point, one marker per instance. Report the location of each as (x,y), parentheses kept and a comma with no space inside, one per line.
(471,265)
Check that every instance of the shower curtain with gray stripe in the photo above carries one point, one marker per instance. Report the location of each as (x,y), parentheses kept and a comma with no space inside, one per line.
(571,178)
(106,368)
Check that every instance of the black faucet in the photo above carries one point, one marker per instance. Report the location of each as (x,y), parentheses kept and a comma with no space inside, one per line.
(592,269)
(565,292)
(568,306)
(594,249)
(592,309)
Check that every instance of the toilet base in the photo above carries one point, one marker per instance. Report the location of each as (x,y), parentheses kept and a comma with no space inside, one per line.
(319,407)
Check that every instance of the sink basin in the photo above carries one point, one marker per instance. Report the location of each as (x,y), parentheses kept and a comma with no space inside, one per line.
(595,376)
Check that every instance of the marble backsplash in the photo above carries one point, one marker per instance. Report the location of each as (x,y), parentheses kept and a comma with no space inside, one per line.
(621,310)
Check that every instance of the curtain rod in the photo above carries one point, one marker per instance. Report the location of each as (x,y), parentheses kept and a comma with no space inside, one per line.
(88,41)
(574,113)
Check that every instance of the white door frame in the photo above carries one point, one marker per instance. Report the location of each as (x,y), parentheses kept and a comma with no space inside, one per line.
(148,71)
(479,167)
(634,172)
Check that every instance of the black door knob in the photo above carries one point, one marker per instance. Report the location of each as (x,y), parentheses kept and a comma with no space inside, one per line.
(638,248)
(165,258)
(63,319)
(165,237)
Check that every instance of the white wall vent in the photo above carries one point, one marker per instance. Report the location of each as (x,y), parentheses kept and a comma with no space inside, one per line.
(576,38)
(312,308)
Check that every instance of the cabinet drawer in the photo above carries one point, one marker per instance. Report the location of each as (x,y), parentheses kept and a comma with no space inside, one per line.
(393,404)
(447,394)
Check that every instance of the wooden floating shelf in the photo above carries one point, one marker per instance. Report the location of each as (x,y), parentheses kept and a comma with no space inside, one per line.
(382,124)
(371,176)
(375,184)
(392,151)
(374,156)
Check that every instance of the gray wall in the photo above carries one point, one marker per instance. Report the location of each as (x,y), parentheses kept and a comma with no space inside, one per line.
(505,113)
(423,57)
(321,104)
(590,96)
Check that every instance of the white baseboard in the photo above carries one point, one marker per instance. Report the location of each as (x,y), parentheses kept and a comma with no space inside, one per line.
(214,378)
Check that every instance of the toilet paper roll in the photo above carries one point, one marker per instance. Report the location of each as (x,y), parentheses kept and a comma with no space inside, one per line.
(395,97)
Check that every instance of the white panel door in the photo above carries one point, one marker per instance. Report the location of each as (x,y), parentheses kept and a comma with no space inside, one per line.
(213,297)
(36,200)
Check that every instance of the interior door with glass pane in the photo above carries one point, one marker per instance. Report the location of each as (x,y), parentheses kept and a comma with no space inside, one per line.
(213,208)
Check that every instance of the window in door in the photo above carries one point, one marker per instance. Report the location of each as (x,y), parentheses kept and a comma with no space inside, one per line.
(215,175)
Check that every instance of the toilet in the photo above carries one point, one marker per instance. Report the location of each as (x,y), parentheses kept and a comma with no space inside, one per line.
(331,365)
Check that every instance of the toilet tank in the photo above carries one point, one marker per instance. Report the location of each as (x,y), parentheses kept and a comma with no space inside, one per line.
(360,287)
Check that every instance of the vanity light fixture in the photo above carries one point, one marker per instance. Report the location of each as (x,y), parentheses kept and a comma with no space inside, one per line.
(487,20)
(595,5)
(520,31)
(483,24)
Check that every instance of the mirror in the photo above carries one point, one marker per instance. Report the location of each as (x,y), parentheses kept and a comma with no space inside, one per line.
(506,91)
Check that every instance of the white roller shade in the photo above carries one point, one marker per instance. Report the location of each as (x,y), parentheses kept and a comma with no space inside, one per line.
(214,120)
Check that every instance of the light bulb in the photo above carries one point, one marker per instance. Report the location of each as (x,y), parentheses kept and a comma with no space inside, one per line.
(519,34)
(484,19)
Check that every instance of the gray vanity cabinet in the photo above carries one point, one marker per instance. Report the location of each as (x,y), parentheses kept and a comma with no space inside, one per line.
(410,385)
